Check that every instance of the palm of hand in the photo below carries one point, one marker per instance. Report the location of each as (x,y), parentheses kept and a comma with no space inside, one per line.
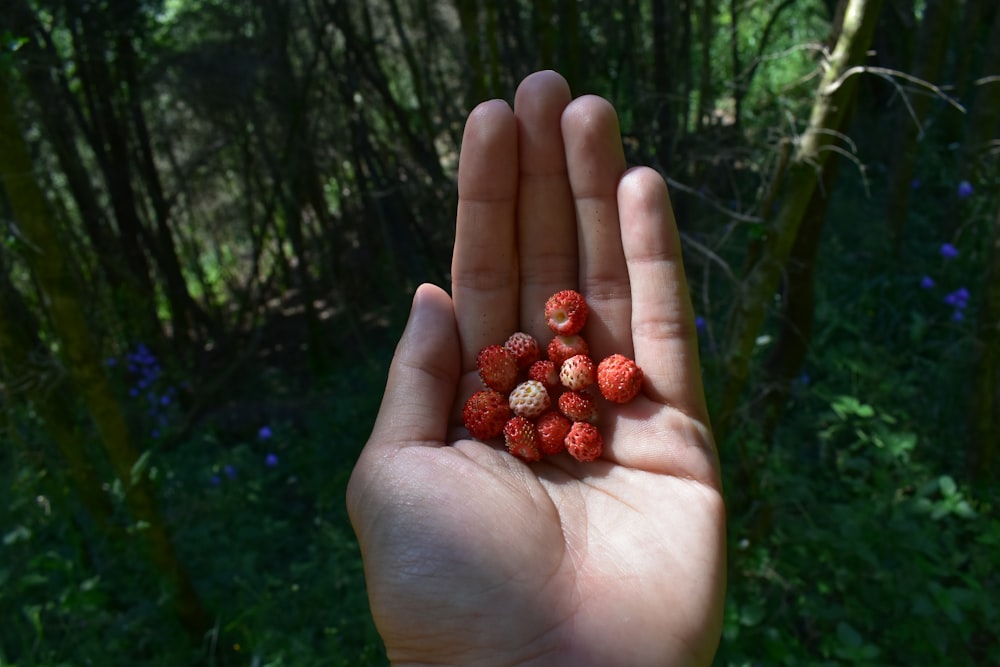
(473,557)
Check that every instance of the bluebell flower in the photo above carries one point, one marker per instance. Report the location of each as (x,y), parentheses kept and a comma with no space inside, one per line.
(915,183)
(164,400)
(264,433)
(700,323)
(964,190)
(948,251)
(271,460)
(215,480)
(230,471)
(133,392)
(958,316)
(927,282)
(959,298)
(110,361)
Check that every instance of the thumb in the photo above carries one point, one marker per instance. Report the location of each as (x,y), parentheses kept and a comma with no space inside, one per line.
(423,376)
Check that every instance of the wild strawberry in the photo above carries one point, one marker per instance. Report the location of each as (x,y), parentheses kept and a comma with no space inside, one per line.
(485,414)
(521,439)
(525,348)
(619,378)
(566,312)
(584,442)
(546,372)
(562,348)
(552,428)
(578,406)
(497,367)
(529,399)
(577,372)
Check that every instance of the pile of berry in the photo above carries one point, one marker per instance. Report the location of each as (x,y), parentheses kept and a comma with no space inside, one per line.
(554,409)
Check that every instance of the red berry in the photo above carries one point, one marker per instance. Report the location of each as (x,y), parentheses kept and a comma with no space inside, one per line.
(525,348)
(497,367)
(584,442)
(485,414)
(577,372)
(566,312)
(562,348)
(546,372)
(619,378)
(521,439)
(552,428)
(578,406)
(529,399)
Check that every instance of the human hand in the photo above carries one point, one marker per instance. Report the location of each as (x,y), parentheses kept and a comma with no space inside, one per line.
(472,556)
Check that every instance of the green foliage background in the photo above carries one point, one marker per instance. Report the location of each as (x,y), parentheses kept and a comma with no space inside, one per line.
(306,154)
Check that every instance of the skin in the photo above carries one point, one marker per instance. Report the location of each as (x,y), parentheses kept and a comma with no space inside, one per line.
(473,557)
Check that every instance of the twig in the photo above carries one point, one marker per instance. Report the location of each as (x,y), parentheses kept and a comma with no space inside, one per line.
(885,71)
(735,215)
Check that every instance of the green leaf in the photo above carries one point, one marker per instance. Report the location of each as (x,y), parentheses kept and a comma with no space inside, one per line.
(864,410)
(752,614)
(139,467)
(848,636)
(947,485)
(19,534)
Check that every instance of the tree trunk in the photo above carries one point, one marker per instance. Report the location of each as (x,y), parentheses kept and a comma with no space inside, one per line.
(109,144)
(20,352)
(984,111)
(784,363)
(981,135)
(706,95)
(984,390)
(44,255)
(545,32)
(569,43)
(56,107)
(935,30)
(837,89)
(185,312)
(664,82)
(468,16)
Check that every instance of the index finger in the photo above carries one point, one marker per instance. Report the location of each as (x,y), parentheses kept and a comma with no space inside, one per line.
(484,267)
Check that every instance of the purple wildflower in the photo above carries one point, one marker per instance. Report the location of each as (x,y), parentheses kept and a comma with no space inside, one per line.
(965,190)
(926,282)
(230,471)
(264,433)
(271,460)
(959,298)
(699,323)
(948,251)
(915,183)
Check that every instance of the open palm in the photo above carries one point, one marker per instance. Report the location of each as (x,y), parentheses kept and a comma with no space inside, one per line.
(474,557)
